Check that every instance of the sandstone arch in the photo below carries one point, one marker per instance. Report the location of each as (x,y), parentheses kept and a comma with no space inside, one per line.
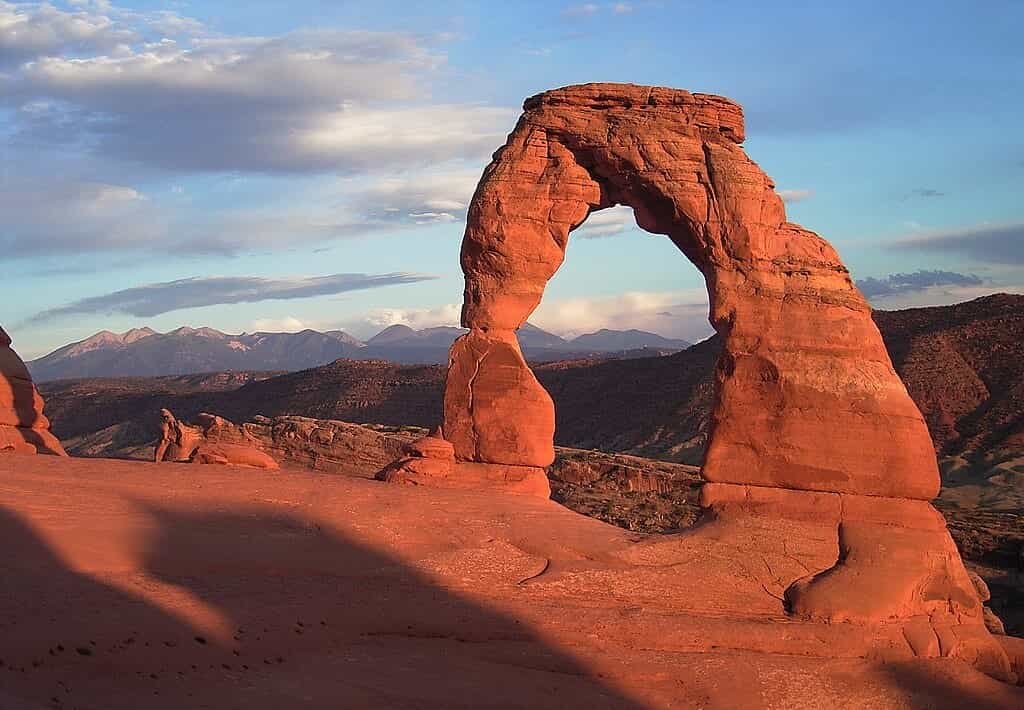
(812,430)
(808,399)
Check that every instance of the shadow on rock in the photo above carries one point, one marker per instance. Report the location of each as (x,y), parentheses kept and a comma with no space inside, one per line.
(314,619)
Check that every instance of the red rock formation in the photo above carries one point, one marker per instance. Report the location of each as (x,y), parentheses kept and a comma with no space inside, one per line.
(431,461)
(23,427)
(233,455)
(803,360)
(811,428)
(212,440)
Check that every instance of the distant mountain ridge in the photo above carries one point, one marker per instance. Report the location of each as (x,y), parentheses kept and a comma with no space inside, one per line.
(606,339)
(143,352)
(962,364)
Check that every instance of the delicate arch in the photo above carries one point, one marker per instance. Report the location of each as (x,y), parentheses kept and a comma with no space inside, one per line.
(806,395)
(813,439)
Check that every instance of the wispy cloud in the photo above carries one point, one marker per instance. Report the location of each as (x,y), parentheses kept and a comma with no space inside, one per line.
(1001,244)
(607,223)
(57,217)
(898,284)
(154,299)
(420,198)
(926,192)
(795,195)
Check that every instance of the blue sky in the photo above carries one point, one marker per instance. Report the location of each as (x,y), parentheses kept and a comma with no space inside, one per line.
(267,165)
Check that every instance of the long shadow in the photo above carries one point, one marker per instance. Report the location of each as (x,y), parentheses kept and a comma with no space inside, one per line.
(315,621)
(56,624)
(932,690)
(312,620)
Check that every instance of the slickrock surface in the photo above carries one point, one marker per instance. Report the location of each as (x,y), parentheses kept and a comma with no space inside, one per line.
(23,426)
(131,585)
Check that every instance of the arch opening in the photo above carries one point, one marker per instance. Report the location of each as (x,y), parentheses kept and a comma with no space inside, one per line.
(618,276)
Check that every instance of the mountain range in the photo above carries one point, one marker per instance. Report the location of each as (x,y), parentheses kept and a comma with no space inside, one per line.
(962,364)
(143,352)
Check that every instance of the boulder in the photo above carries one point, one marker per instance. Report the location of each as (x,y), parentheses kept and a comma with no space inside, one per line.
(23,427)
(210,440)
(233,455)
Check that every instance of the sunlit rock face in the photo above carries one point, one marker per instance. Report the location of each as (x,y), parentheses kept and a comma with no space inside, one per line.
(807,397)
(23,427)
(816,450)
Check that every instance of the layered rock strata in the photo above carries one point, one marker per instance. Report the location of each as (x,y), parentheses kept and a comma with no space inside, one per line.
(811,426)
(210,440)
(23,426)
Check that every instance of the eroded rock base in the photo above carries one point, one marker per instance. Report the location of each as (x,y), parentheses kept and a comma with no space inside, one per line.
(866,560)
(281,589)
(431,461)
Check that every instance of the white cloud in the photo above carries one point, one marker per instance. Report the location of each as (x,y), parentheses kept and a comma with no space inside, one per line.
(97,85)
(622,8)
(56,217)
(367,138)
(304,101)
(798,195)
(376,320)
(678,314)
(196,292)
(419,196)
(993,243)
(607,222)
(61,215)
(288,324)
(941,296)
(30,30)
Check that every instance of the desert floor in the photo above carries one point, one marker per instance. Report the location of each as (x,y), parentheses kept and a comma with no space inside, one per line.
(134,585)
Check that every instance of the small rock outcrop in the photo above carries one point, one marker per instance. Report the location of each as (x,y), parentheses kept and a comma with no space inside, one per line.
(211,440)
(324,445)
(812,433)
(427,460)
(23,427)
(431,461)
